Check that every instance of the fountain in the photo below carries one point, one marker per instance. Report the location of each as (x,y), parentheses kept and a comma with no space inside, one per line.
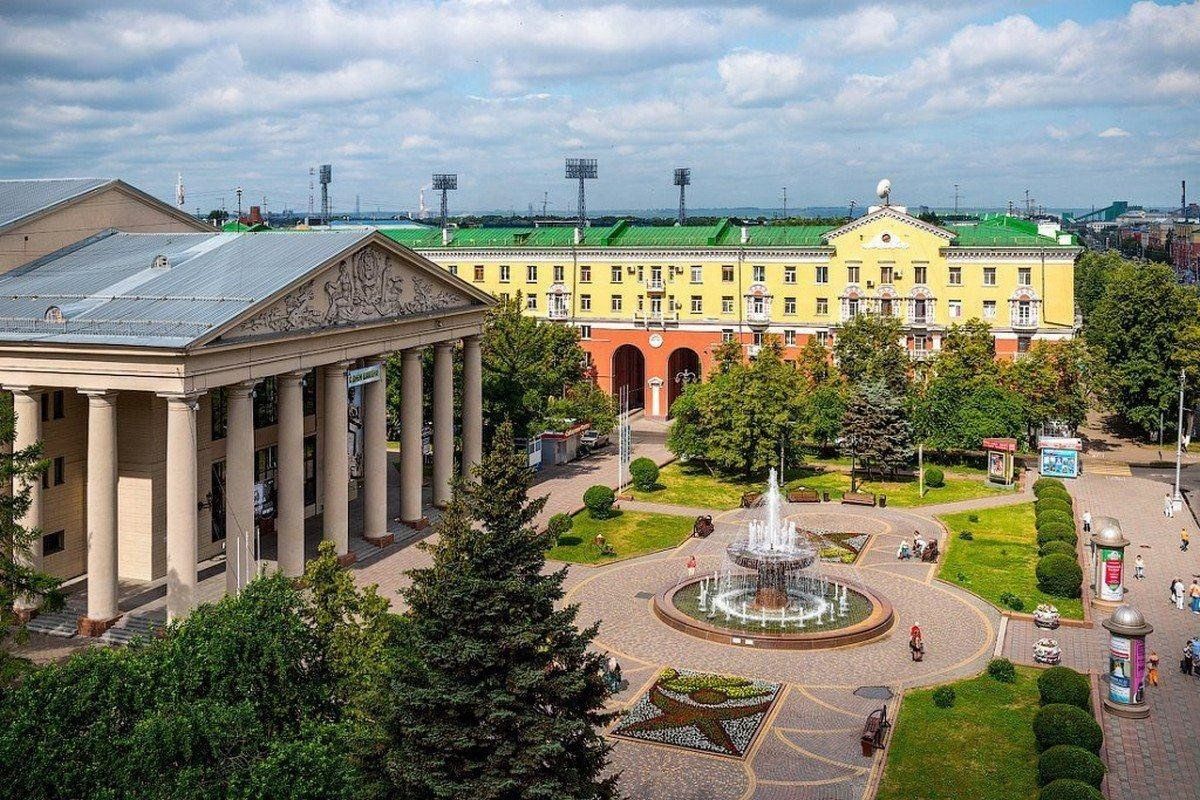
(772,591)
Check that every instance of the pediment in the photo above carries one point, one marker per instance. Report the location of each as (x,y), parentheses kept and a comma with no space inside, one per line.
(371,285)
(884,229)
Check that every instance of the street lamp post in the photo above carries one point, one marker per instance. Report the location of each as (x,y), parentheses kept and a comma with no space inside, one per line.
(1179,441)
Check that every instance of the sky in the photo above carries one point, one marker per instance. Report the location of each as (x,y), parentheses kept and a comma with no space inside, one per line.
(1080,103)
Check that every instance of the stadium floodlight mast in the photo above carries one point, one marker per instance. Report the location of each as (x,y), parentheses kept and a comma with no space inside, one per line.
(444,182)
(683,179)
(581,169)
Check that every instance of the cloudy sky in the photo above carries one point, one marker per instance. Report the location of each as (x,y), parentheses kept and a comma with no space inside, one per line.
(1079,102)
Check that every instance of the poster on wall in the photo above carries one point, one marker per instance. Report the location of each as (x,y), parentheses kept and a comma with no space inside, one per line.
(1112,562)
(1139,668)
(1120,670)
(1060,463)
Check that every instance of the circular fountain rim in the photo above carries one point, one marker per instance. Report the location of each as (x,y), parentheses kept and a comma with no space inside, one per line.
(877,623)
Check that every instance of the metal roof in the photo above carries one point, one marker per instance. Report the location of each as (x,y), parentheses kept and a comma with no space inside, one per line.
(22,198)
(111,292)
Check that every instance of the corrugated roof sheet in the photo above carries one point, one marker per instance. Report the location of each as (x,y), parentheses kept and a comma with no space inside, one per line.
(111,292)
(990,233)
(21,198)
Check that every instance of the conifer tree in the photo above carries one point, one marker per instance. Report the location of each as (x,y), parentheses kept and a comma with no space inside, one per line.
(499,696)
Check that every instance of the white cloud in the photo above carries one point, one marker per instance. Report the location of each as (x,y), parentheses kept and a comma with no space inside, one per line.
(1114,133)
(753,77)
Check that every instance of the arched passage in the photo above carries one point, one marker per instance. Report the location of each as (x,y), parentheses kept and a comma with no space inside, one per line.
(683,367)
(629,372)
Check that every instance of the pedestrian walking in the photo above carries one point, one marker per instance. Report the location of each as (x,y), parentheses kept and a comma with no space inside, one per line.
(1168,506)
(1194,594)
(691,566)
(1184,540)
(1087,522)
(1139,568)
(1177,592)
(1152,675)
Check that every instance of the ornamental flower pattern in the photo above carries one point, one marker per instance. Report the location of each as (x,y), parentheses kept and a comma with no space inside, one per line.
(711,713)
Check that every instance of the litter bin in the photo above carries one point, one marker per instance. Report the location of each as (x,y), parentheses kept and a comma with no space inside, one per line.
(883,501)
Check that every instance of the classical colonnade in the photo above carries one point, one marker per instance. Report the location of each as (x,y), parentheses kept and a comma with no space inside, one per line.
(182,470)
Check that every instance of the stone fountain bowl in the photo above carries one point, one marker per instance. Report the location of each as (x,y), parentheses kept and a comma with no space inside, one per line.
(786,560)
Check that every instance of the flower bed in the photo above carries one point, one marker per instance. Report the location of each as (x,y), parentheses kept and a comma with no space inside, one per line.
(695,710)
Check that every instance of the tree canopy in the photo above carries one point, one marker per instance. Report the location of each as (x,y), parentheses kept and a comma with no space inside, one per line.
(870,348)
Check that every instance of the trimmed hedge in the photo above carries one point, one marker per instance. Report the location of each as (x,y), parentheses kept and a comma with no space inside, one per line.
(1065,685)
(1057,533)
(599,501)
(1072,763)
(1041,484)
(1059,575)
(1055,493)
(1062,546)
(1055,517)
(934,477)
(1059,723)
(644,473)
(1067,789)
(1053,504)
(1002,670)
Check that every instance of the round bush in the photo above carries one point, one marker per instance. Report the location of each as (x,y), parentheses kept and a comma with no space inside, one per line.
(1053,504)
(1067,789)
(599,501)
(1054,513)
(1041,484)
(943,696)
(1055,518)
(1062,546)
(1012,601)
(1059,723)
(1064,685)
(1057,533)
(1072,763)
(1055,493)
(1002,670)
(644,473)
(559,524)
(1059,575)
(934,477)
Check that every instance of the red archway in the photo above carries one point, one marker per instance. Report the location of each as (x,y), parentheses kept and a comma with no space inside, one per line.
(629,371)
(683,367)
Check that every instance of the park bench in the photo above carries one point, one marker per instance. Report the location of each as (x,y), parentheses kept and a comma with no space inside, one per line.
(873,731)
(804,496)
(858,498)
(750,498)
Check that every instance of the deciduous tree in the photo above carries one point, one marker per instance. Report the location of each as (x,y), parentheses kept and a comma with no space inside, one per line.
(869,348)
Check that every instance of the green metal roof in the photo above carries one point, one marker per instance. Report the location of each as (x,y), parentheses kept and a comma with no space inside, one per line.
(241,227)
(1001,231)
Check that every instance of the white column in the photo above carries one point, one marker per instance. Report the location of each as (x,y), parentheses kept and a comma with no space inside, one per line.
(375,466)
(443,422)
(181,506)
(289,478)
(101,514)
(411,422)
(240,554)
(336,459)
(27,406)
(472,405)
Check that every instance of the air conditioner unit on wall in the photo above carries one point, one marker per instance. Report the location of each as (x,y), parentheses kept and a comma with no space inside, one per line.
(632,270)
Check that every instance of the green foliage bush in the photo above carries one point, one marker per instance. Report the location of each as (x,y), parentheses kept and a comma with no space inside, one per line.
(1062,546)
(1067,789)
(1072,763)
(934,477)
(943,696)
(599,501)
(1056,518)
(1064,685)
(1060,723)
(1053,504)
(1012,601)
(1059,575)
(1002,670)
(1055,493)
(966,536)
(1057,533)
(559,524)
(1041,484)
(644,473)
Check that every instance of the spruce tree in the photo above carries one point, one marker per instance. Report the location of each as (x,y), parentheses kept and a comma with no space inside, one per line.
(499,696)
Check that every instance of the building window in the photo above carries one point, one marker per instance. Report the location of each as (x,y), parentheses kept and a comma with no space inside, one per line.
(822,274)
(1024,276)
(885,307)
(954,307)
(616,302)
(504,273)
(266,463)
(989,309)
(726,305)
(585,273)
(757,338)
(585,332)
(697,304)
(789,274)
(789,338)
(919,344)
(727,334)
(54,543)
(585,302)
(266,405)
(52,403)
(310,470)
(504,296)
(531,302)
(852,308)
(218,501)
(727,273)
(758,273)
(697,274)
(479,273)
(454,270)
(822,306)
(853,273)
(60,470)
(989,276)
(617,272)
(955,276)
(885,273)
(789,305)
(58,401)
(920,273)
(220,413)
(531,273)
(308,393)
(558,273)
(1023,343)
(823,338)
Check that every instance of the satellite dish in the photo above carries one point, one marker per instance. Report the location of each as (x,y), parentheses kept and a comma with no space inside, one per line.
(883,189)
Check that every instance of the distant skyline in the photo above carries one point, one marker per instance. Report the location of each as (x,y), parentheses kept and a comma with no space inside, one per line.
(1082,103)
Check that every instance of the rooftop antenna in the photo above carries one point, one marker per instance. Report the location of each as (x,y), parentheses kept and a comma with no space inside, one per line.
(545,201)
(326,179)
(238,190)
(179,201)
(444,182)
(853,205)
(582,169)
(683,179)
(312,171)
(956,199)
(1028,207)
(883,190)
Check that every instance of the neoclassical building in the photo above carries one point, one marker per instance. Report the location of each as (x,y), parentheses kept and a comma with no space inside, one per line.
(199,392)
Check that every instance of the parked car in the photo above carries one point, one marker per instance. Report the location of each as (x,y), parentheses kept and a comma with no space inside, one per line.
(593,440)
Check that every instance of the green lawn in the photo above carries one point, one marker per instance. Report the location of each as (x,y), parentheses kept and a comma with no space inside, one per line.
(629,533)
(980,748)
(693,485)
(1001,558)
(902,493)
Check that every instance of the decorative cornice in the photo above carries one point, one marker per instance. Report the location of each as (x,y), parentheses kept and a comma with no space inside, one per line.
(1063,254)
(614,254)
(889,212)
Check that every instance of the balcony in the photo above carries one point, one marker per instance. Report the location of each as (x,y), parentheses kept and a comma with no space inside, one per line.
(655,319)
(758,310)
(655,284)
(1024,314)
(557,312)
(922,355)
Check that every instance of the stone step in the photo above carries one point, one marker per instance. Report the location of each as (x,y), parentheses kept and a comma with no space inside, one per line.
(132,626)
(55,623)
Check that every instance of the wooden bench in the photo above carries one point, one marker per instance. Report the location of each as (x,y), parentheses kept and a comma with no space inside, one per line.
(750,498)
(858,498)
(873,731)
(803,496)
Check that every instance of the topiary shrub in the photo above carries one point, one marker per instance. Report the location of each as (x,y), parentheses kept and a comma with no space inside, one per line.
(559,524)
(644,473)
(599,501)
(1057,533)
(1064,685)
(934,477)
(943,696)
(1012,601)
(1053,504)
(1054,515)
(1062,546)
(1072,763)
(1041,484)
(1002,670)
(1059,723)
(1059,575)
(1067,789)
(1055,493)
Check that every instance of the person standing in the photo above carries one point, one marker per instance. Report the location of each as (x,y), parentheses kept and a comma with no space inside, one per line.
(691,566)
(1087,522)
(1194,594)
(1177,592)
(1139,568)
(1152,674)
(1184,540)
(1168,506)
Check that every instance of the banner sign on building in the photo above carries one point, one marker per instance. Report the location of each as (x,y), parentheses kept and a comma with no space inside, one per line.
(364,375)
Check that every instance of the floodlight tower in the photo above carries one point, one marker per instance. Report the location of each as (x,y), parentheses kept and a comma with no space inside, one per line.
(444,182)
(326,179)
(581,169)
(683,179)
